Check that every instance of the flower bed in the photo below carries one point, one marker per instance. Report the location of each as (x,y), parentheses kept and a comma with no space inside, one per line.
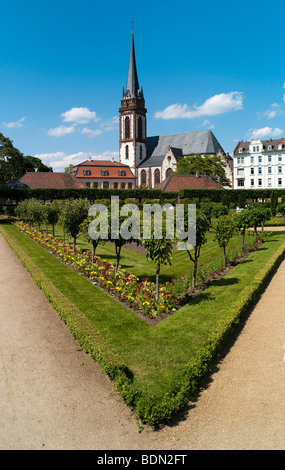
(137,294)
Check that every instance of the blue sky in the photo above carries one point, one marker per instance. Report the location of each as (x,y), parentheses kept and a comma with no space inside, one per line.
(203,65)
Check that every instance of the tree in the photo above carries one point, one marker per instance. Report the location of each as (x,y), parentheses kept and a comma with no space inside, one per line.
(74,214)
(243,221)
(159,251)
(273,202)
(34,164)
(281,210)
(202,227)
(257,218)
(84,229)
(51,214)
(209,165)
(68,168)
(224,229)
(11,160)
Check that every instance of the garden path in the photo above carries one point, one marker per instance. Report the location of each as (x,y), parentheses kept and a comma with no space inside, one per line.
(54,396)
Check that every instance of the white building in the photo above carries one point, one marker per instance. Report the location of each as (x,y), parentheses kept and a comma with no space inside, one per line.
(259,164)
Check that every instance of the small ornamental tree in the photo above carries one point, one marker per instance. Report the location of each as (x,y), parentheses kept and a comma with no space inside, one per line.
(257,218)
(35,212)
(84,230)
(202,227)
(51,214)
(74,214)
(243,221)
(281,210)
(224,229)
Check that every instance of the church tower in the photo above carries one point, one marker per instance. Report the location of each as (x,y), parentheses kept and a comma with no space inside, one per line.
(132,119)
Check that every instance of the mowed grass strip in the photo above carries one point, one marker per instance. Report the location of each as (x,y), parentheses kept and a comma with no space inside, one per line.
(156,355)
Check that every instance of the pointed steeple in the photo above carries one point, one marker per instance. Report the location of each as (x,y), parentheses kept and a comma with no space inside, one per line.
(133,82)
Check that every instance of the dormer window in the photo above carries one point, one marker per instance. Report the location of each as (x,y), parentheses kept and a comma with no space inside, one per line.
(87,172)
(269,147)
(104,172)
(122,173)
(240,150)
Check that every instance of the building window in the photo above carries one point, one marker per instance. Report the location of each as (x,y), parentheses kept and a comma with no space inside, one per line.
(252,171)
(240,183)
(269,158)
(141,152)
(127,127)
(253,149)
(251,182)
(95,185)
(280,158)
(269,182)
(240,150)
(240,160)
(87,172)
(104,172)
(251,159)
(123,185)
(279,181)
(122,173)
(139,128)
(157,176)
(143,177)
(269,147)
(259,159)
(87,185)
(116,185)
(280,169)
(270,170)
(106,185)
(168,172)
(260,182)
(127,152)
(259,170)
(257,148)
(130,185)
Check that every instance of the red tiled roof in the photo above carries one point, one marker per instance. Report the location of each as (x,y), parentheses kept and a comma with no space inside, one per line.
(177,182)
(44,180)
(95,167)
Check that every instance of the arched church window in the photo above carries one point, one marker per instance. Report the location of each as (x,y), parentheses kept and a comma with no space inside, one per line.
(157,176)
(141,152)
(127,127)
(143,177)
(127,152)
(168,172)
(139,128)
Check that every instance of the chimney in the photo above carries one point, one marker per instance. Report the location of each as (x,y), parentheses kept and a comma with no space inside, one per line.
(197,174)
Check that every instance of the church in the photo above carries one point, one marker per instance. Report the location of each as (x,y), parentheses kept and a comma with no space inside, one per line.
(153,159)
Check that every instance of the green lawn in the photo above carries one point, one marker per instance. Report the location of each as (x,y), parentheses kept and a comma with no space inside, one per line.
(155,354)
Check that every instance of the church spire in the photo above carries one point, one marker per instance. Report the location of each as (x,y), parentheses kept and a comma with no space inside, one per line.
(132,89)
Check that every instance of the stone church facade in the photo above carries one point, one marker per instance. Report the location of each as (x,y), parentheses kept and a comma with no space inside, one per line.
(153,159)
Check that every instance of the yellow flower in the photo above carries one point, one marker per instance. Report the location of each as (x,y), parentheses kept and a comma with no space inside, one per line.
(109,282)
(118,288)
(162,307)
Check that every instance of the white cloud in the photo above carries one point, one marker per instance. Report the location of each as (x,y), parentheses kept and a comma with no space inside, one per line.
(91,133)
(217,104)
(264,132)
(79,115)
(14,124)
(274,110)
(59,160)
(61,130)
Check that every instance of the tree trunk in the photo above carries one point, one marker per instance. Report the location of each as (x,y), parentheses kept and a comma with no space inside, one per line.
(255,233)
(225,255)
(52,230)
(242,240)
(74,243)
(63,235)
(118,253)
(194,274)
(157,280)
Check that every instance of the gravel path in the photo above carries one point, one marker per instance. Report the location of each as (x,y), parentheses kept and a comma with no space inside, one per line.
(54,396)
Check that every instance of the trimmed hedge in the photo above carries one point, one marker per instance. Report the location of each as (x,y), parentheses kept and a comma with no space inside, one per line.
(150,410)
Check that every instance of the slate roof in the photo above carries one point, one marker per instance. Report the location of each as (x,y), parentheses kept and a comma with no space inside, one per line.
(265,143)
(200,142)
(177,182)
(14,184)
(43,180)
(132,81)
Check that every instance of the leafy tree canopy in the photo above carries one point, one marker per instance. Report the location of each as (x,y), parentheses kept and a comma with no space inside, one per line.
(207,165)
